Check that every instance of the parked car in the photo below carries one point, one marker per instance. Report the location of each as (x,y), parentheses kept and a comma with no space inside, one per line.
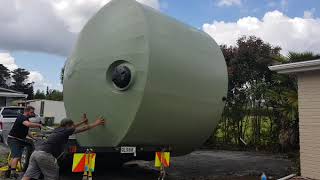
(8,116)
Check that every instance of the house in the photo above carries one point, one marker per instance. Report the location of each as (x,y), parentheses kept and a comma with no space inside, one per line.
(308,74)
(7,96)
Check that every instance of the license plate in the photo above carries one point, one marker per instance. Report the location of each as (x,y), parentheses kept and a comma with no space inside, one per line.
(128,150)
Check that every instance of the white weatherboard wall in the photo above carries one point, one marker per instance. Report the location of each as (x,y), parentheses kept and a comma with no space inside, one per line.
(54,109)
(309,125)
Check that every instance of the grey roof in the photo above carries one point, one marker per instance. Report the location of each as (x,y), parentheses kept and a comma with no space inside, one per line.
(4,92)
(9,90)
(14,95)
(297,67)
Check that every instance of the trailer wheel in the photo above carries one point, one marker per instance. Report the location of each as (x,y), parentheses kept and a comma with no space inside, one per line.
(24,161)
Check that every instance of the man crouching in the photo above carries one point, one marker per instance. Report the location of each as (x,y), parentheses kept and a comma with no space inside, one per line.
(44,159)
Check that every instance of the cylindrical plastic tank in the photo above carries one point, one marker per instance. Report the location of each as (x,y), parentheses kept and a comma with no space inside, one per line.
(157,82)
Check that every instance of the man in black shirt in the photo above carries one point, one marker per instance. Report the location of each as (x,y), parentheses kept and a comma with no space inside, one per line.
(18,133)
(44,159)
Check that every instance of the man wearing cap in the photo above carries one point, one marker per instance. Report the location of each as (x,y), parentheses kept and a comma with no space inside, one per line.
(44,159)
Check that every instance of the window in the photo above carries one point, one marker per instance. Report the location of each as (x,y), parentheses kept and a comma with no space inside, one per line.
(12,112)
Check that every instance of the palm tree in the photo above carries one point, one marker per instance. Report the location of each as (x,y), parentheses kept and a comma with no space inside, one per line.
(304,56)
(283,97)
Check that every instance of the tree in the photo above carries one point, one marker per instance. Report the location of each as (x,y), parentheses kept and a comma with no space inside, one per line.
(4,76)
(20,82)
(261,106)
(40,95)
(304,56)
(62,75)
(47,91)
(283,97)
(54,95)
(249,78)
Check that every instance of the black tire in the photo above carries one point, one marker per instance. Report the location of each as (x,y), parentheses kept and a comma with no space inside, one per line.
(24,161)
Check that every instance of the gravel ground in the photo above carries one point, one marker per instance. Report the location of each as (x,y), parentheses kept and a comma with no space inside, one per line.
(199,165)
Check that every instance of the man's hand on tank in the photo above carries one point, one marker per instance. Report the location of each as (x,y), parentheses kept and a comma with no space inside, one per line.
(100,121)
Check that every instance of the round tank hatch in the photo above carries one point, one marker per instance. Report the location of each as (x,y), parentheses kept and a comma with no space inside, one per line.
(120,74)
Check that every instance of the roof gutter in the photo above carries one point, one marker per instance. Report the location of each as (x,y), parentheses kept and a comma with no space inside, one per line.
(13,95)
(10,90)
(296,67)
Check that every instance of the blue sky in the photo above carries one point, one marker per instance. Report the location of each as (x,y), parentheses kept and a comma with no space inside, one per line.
(48,65)
(36,56)
(196,13)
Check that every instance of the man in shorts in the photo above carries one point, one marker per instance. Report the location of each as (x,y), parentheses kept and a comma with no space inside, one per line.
(17,135)
(44,159)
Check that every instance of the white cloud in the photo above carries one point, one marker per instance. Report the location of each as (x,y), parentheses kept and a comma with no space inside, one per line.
(46,26)
(39,81)
(228,2)
(308,14)
(76,13)
(291,34)
(35,76)
(33,26)
(8,61)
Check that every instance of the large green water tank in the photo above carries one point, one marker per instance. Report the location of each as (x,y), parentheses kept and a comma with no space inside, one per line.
(157,81)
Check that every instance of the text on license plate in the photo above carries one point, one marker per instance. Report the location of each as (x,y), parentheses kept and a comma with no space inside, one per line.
(128,150)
